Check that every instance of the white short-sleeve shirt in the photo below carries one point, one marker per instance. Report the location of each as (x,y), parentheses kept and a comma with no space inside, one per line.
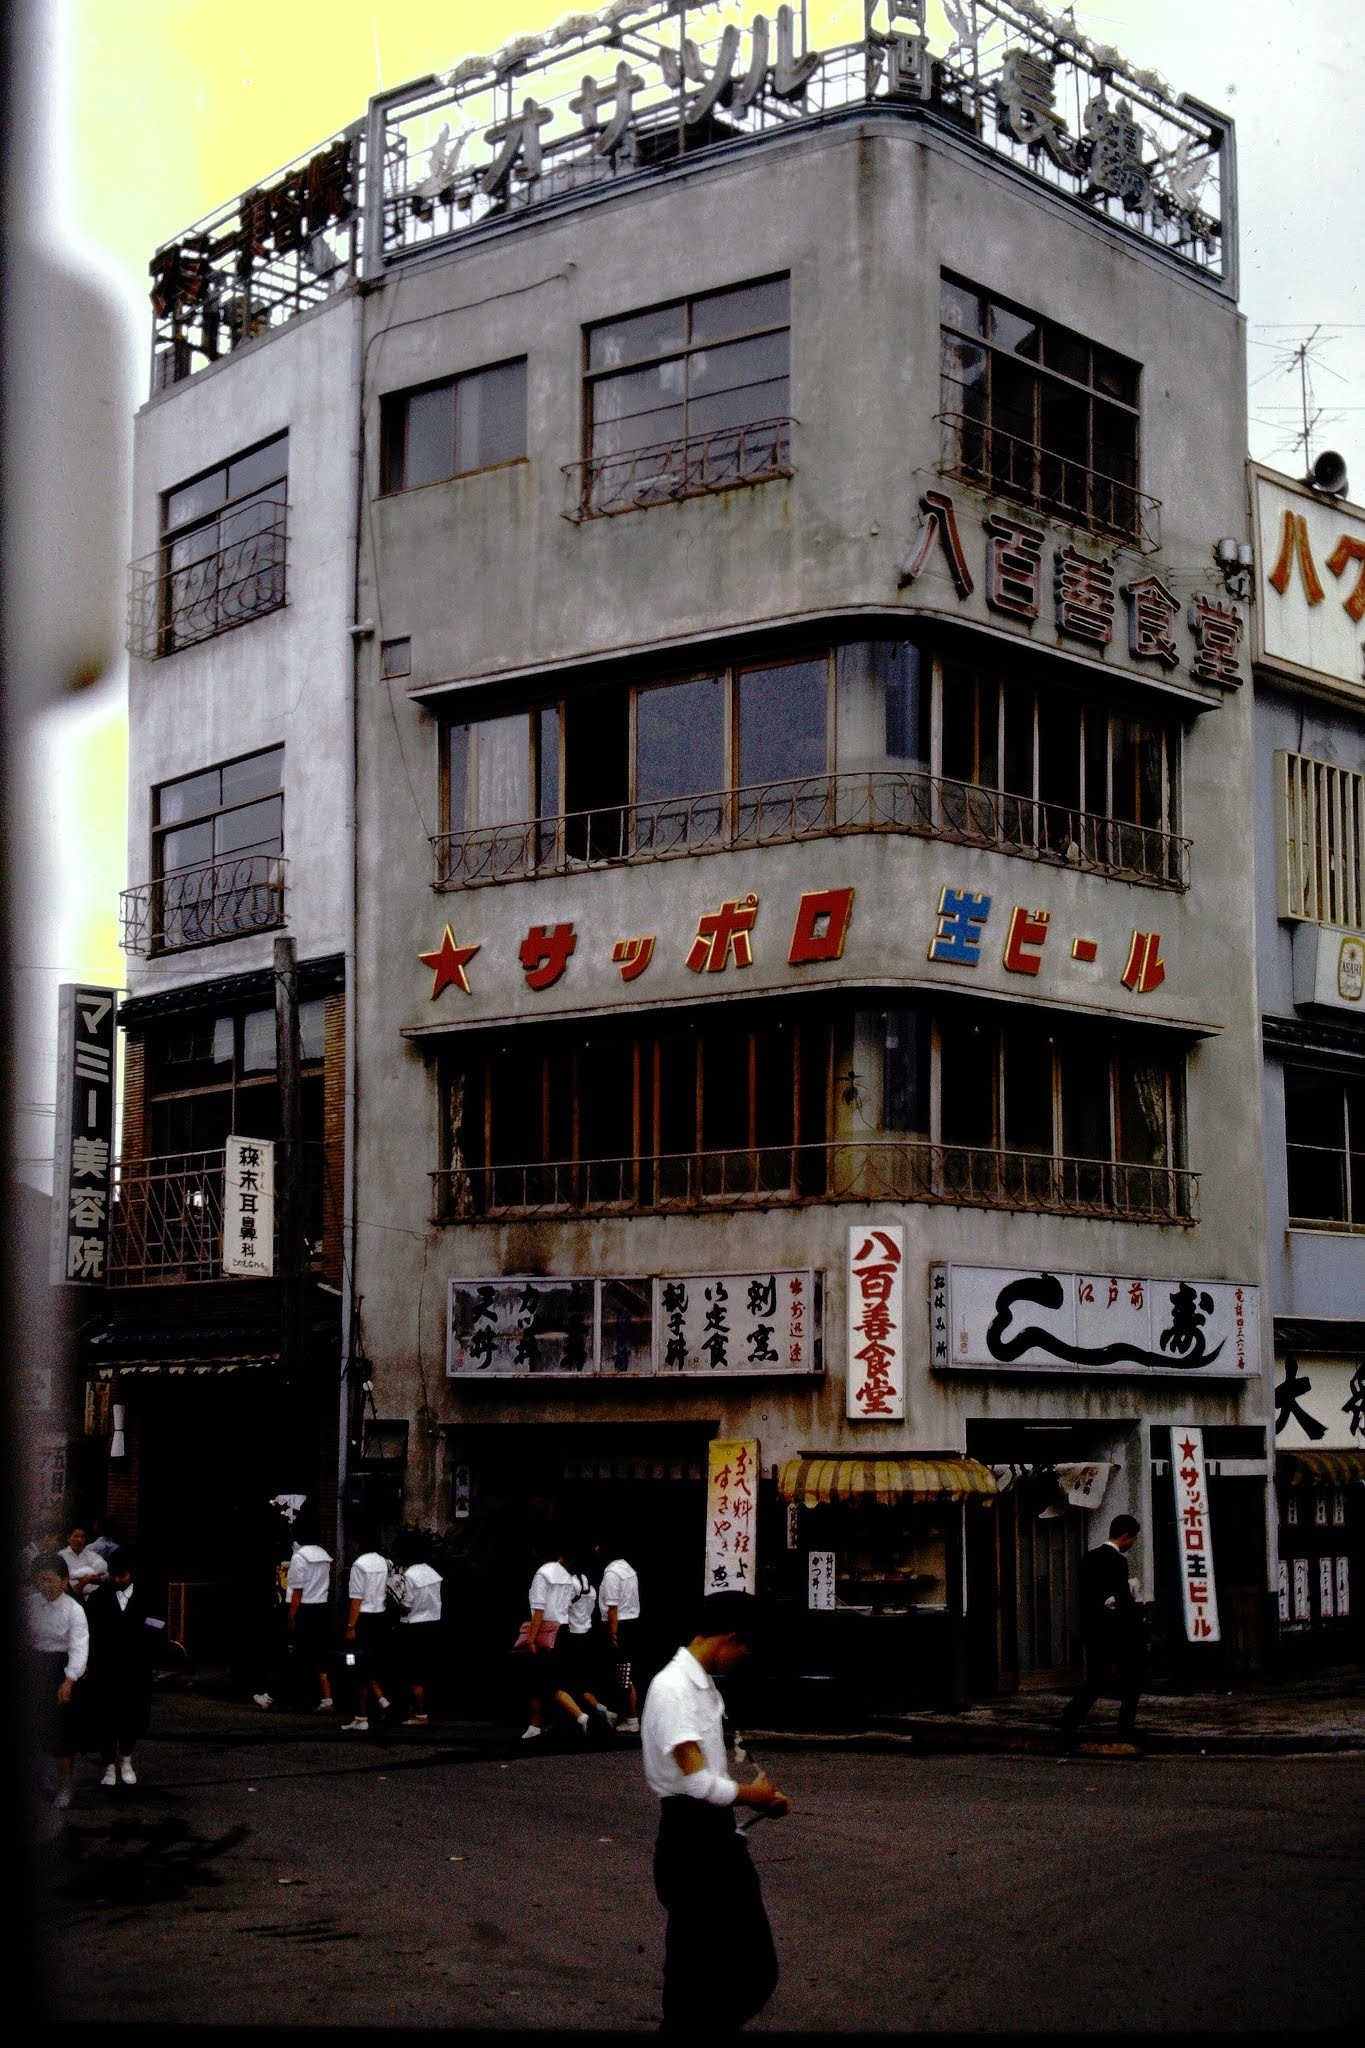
(81,1565)
(581,1606)
(370,1581)
(59,1625)
(620,1589)
(551,1591)
(419,1590)
(682,1705)
(309,1574)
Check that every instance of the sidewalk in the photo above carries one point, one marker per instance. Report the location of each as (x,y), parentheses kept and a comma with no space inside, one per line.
(1317,1715)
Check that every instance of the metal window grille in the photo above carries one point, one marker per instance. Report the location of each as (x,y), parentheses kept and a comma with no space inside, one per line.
(1322,840)
(175,601)
(196,905)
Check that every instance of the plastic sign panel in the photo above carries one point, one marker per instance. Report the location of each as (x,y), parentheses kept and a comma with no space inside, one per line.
(1329,968)
(876,1323)
(1193,1535)
(83,1148)
(249,1207)
(731,1516)
(1319,1403)
(988,1317)
(1310,582)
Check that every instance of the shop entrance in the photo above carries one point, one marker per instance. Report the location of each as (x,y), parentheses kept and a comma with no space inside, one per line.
(1023,1568)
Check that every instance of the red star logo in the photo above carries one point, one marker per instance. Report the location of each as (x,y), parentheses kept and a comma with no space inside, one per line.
(1187,1449)
(448,963)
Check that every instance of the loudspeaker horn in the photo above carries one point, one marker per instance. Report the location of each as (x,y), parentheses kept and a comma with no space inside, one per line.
(1329,474)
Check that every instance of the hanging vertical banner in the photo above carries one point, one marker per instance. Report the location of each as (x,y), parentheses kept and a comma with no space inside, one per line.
(876,1323)
(731,1516)
(249,1207)
(1194,1536)
(83,1149)
(820,1580)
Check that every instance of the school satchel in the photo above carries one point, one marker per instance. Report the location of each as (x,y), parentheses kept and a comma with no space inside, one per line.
(545,1637)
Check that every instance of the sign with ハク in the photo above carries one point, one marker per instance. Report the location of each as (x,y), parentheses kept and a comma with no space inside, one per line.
(1319,1403)
(731,1516)
(1310,582)
(1193,1535)
(989,1317)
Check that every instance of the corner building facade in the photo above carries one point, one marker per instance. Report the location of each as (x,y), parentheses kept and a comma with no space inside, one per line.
(804,836)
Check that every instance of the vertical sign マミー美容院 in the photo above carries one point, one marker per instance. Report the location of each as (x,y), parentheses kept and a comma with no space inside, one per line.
(83,1148)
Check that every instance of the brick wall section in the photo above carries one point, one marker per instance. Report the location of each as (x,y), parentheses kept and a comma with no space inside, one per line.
(333,1132)
(134,1095)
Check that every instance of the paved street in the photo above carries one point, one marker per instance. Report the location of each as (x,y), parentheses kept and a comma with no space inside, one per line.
(275,1873)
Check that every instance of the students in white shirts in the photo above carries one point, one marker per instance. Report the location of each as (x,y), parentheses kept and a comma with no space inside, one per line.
(308,1616)
(59,1645)
(552,1592)
(367,1635)
(720,1966)
(618,1601)
(83,1565)
(417,1589)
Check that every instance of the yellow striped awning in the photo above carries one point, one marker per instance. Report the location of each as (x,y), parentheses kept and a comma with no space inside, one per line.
(814,1482)
(1320,1468)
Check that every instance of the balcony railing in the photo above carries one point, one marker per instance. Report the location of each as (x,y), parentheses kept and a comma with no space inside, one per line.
(815,807)
(1050,483)
(692,467)
(881,1170)
(195,906)
(166,1223)
(211,580)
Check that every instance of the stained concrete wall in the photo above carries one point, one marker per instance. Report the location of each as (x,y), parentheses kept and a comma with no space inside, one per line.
(493,584)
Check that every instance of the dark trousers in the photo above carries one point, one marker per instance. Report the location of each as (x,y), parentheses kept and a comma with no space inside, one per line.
(720,1966)
(1107,1675)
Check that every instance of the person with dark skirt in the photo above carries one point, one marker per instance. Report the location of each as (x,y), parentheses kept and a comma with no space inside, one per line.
(720,1965)
(118,1686)
(1111,1632)
(59,1647)
(540,1644)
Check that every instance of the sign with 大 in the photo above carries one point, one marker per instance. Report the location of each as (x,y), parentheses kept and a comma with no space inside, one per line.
(249,1207)
(1194,1537)
(1319,1404)
(83,1149)
(876,1323)
(731,1517)
(992,1318)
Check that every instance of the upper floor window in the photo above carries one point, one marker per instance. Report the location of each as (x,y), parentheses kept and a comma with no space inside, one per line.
(217,842)
(222,554)
(1039,413)
(213,1075)
(1321,830)
(448,429)
(1324,1128)
(686,398)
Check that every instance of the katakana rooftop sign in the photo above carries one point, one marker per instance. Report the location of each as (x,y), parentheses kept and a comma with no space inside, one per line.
(629,89)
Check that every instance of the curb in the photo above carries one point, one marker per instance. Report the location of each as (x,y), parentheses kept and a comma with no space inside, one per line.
(933,1740)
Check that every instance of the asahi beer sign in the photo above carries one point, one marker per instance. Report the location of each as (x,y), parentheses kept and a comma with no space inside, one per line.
(731,1516)
(249,1207)
(876,1323)
(1194,1535)
(994,1318)
(668,1325)
(82,1158)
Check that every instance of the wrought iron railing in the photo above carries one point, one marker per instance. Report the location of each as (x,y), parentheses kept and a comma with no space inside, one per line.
(690,467)
(193,906)
(889,1170)
(1050,483)
(205,583)
(166,1221)
(814,807)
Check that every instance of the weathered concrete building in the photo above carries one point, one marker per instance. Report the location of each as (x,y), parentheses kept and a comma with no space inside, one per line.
(751,590)
(1309,544)
(808,988)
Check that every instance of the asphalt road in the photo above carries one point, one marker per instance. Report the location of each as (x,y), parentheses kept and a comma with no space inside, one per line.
(275,1882)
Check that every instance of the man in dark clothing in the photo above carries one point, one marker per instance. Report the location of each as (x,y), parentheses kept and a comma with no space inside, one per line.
(1111,1631)
(123,1643)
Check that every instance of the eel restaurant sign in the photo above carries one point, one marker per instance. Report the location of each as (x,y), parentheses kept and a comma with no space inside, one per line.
(984,1317)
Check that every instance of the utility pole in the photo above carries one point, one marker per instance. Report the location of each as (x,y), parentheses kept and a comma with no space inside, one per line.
(289,1177)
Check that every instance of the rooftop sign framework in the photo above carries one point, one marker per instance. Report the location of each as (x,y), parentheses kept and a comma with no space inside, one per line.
(608,95)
